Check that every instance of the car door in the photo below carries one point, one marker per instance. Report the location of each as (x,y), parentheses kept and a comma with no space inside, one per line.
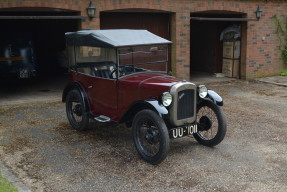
(102,94)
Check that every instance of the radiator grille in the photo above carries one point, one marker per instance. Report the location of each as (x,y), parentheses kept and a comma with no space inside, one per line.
(185,107)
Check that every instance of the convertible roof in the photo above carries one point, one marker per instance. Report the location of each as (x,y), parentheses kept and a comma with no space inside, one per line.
(113,38)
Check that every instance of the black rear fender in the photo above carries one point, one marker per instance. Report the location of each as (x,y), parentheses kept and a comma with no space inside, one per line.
(76,86)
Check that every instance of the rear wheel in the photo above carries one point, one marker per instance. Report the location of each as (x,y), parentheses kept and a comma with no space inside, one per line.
(211,124)
(150,136)
(75,110)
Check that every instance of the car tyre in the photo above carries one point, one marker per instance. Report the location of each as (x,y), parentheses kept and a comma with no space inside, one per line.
(76,112)
(150,136)
(211,124)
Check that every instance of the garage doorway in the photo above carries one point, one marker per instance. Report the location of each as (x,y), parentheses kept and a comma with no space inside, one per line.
(44,30)
(47,34)
(157,22)
(206,46)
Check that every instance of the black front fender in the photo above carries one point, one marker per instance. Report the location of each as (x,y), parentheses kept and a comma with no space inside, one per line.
(157,107)
(213,96)
(144,104)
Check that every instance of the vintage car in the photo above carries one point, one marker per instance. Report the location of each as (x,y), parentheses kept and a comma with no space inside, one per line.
(121,76)
(17,57)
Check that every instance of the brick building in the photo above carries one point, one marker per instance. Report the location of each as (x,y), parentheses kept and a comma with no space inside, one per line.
(194,26)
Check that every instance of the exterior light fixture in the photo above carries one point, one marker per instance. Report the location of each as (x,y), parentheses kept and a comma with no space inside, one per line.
(258,13)
(91,10)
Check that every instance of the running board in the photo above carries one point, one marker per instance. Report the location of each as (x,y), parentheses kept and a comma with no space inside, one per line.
(102,119)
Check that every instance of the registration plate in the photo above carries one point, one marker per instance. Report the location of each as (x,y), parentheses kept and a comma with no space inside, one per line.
(183,131)
(24,74)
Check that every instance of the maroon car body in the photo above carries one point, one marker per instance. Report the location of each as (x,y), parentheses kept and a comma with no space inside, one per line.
(121,76)
(113,98)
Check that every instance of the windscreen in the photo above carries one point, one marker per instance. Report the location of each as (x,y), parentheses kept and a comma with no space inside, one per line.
(145,58)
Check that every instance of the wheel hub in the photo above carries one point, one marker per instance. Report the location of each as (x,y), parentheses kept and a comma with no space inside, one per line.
(205,123)
(78,110)
(151,136)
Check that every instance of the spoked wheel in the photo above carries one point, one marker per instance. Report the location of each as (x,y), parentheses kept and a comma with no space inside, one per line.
(212,124)
(75,110)
(150,136)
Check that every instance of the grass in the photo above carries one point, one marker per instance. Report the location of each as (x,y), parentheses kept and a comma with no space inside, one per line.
(5,186)
(284,73)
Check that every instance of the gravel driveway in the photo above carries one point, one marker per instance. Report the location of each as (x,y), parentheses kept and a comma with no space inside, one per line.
(38,145)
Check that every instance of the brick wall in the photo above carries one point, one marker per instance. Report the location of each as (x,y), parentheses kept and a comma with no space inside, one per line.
(261,48)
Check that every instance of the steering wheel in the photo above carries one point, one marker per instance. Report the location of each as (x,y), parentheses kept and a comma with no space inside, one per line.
(121,72)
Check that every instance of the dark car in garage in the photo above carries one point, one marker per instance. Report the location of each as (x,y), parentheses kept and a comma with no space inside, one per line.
(17,55)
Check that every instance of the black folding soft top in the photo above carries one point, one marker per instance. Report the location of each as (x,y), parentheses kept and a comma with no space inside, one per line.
(113,38)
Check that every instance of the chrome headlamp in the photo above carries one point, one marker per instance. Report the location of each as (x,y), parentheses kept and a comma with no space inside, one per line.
(166,99)
(202,91)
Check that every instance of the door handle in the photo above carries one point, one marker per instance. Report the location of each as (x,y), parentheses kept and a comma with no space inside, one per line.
(90,87)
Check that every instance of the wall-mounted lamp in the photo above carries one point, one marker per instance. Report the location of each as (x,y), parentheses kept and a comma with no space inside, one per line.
(91,10)
(258,13)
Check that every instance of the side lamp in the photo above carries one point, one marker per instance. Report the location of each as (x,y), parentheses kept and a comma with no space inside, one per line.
(91,10)
(258,13)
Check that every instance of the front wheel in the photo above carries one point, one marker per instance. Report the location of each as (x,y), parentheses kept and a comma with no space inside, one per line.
(211,124)
(150,136)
